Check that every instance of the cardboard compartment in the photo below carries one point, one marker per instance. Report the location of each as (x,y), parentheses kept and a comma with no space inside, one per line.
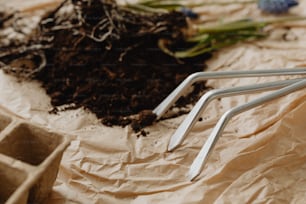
(38,153)
(39,192)
(4,121)
(10,180)
(29,144)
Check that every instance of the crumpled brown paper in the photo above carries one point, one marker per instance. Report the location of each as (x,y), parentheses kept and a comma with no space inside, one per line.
(260,158)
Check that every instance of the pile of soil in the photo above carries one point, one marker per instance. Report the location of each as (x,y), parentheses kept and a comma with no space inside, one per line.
(103,57)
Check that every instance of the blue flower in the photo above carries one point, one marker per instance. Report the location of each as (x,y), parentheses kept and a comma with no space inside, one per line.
(189,13)
(276,6)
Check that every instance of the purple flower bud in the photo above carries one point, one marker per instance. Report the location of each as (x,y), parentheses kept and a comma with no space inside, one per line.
(276,6)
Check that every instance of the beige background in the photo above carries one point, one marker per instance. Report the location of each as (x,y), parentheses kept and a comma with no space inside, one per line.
(261,157)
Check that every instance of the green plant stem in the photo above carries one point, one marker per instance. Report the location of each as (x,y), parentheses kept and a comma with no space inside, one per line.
(244,24)
(143,8)
(213,44)
(221,3)
(178,3)
(211,38)
(169,5)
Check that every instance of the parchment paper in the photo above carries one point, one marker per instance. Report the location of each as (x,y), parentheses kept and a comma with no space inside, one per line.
(261,157)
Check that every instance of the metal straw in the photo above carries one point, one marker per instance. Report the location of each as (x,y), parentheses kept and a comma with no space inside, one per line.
(200,160)
(190,120)
(201,76)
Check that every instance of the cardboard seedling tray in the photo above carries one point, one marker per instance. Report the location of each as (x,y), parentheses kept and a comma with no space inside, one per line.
(29,160)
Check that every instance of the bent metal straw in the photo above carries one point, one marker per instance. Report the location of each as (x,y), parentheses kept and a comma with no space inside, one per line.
(285,87)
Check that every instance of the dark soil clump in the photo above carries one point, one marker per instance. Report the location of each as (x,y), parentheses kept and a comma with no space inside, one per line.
(105,58)
(5,16)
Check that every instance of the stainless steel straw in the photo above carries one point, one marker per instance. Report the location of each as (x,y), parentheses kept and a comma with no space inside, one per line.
(285,87)
(202,157)
(185,127)
(202,76)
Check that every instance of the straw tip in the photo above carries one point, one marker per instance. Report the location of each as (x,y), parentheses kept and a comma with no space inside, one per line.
(171,146)
(192,174)
(173,143)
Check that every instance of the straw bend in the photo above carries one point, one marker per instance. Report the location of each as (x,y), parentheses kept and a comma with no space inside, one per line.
(202,157)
